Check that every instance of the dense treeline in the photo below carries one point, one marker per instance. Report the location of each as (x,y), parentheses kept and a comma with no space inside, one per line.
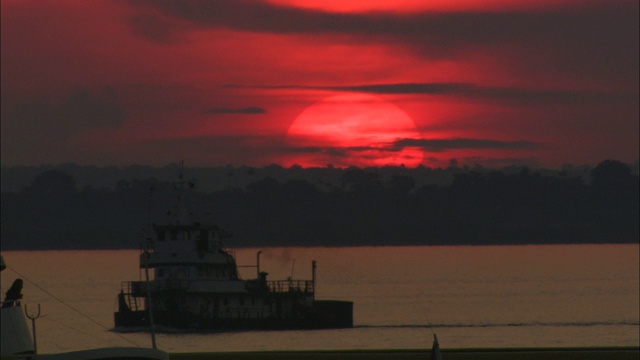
(361,208)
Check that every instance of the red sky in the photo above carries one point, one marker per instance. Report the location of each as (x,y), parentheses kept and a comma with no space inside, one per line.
(120,82)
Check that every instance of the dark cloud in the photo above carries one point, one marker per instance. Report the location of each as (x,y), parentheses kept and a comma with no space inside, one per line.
(485,27)
(340,152)
(248,15)
(306,149)
(332,151)
(467,90)
(429,145)
(395,88)
(586,37)
(439,145)
(248,110)
(510,94)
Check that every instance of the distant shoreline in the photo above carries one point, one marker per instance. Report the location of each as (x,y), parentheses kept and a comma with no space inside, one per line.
(342,246)
(352,207)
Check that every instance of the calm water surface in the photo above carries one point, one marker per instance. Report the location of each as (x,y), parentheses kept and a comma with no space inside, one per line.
(485,296)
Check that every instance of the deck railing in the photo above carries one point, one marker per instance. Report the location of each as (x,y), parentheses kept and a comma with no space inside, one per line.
(304,286)
(139,288)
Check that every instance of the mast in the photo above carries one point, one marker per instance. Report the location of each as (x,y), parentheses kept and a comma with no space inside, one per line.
(258,264)
(180,219)
(149,306)
(179,187)
(147,246)
(313,278)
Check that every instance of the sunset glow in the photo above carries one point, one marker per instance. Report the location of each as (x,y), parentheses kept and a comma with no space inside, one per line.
(352,130)
(247,82)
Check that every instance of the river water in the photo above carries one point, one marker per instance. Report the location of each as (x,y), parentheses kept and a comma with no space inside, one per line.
(470,296)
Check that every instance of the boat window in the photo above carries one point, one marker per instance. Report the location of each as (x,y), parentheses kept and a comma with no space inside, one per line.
(161,236)
(160,272)
(174,235)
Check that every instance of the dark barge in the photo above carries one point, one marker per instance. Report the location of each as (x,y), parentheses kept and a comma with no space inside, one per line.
(197,286)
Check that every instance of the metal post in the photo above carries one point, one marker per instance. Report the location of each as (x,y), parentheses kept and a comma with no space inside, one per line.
(313,277)
(258,264)
(149,307)
(33,318)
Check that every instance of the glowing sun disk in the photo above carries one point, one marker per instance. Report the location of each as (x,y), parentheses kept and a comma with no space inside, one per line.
(352,130)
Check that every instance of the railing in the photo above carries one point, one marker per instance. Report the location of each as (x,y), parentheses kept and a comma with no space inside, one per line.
(303,286)
(139,288)
(129,292)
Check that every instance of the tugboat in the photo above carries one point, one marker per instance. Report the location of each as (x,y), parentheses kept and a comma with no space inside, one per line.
(197,287)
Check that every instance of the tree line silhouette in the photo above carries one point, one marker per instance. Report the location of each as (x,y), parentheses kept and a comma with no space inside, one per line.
(362,208)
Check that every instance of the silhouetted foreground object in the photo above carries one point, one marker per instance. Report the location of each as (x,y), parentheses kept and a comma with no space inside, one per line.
(613,353)
(13,294)
(17,342)
(435,349)
(339,207)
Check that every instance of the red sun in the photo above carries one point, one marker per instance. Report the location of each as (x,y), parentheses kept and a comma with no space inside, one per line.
(352,130)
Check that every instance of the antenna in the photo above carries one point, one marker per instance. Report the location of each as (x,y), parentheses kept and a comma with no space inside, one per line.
(258,263)
(179,187)
(313,278)
(152,189)
(292,267)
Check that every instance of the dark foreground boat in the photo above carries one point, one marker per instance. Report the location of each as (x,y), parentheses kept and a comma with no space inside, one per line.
(197,286)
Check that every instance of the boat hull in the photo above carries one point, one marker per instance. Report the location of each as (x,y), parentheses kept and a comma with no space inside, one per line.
(323,315)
